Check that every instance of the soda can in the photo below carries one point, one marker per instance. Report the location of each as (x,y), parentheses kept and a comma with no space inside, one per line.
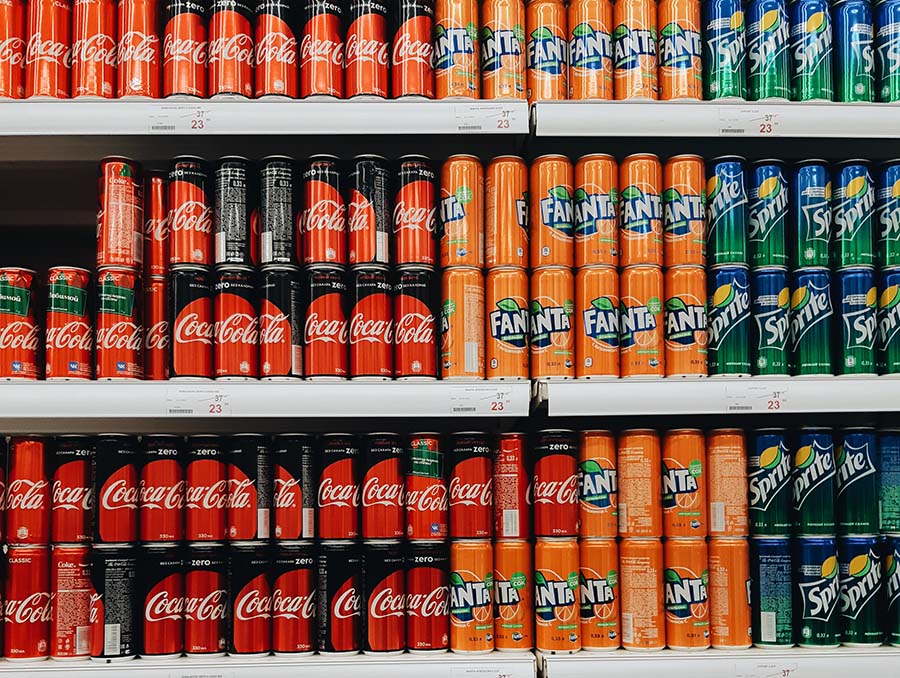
(427,502)
(339,596)
(471,596)
(412,73)
(551,337)
(769,300)
(456,50)
(47,61)
(462,212)
(250,600)
(414,212)
(853,206)
(206,490)
(338,488)
(293,484)
(854,59)
(503,49)
(28,492)
(115,609)
(635,50)
(725,50)
(280,315)
(554,488)
(892,589)
(366,50)
(597,323)
(506,212)
(19,310)
(856,480)
(326,322)
(887,206)
(275,57)
(462,324)
(322,49)
(811,47)
(427,597)
(382,487)
(323,224)
(120,214)
(810,315)
(771,597)
(600,591)
(191,323)
(119,339)
(205,600)
(249,472)
(471,486)
(12,32)
(371,327)
(684,211)
(685,581)
(680,50)
(161,601)
(506,352)
(861,603)
(641,343)
(728,302)
(590,49)
(513,596)
(641,229)
(813,482)
(887,35)
(156,224)
(729,594)
(816,592)
(727,211)
(236,330)
(93,55)
(70,601)
(556,602)
(888,465)
(684,478)
(277,209)
(162,490)
(769,484)
(685,317)
(546,65)
(512,487)
(598,486)
(768,50)
(383,595)
(551,212)
(640,484)
(888,316)
(768,208)
(71,494)
(596,201)
(415,328)
(293,598)
(809,214)
(726,454)
(230,48)
(190,212)
(69,335)
(856,297)
(642,594)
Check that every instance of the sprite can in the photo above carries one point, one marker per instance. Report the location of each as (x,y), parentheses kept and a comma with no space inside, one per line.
(888,466)
(888,354)
(726,212)
(768,50)
(771,598)
(887,209)
(862,591)
(856,509)
(853,207)
(892,588)
(816,592)
(769,478)
(856,299)
(810,316)
(728,306)
(811,79)
(887,50)
(769,302)
(809,214)
(813,482)
(768,193)
(854,61)
(724,50)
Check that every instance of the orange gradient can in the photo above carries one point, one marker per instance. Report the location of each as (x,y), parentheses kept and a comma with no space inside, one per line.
(634,49)
(686,581)
(506,333)
(551,210)
(547,60)
(684,483)
(513,596)
(503,49)
(590,49)
(551,335)
(641,344)
(729,593)
(685,316)
(598,488)
(556,602)
(462,212)
(462,323)
(640,210)
(680,50)
(506,212)
(597,323)
(595,202)
(684,211)
(641,595)
(726,455)
(639,458)
(457,54)
(471,596)
(600,589)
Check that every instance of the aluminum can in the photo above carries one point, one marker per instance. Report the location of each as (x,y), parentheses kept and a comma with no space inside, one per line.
(427,498)
(471,487)
(854,57)
(368,211)
(640,484)
(12,64)
(190,212)
(462,212)
(641,225)
(685,317)
(642,594)
(729,594)
(156,224)
(281,309)
(250,600)
(70,607)
(769,302)
(685,475)
(161,601)
(28,492)
(19,328)
(813,480)
(93,55)
(596,323)
(513,596)
(641,336)
(769,476)
(471,599)
(511,485)
(249,471)
(547,62)
(590,50)
(856,481)
(728,302)
(427,597)
(139,51)
(191,323)
(339,598)
(115,611)
(887,32)
(816,592)
(684,211)
(120,214)
(771,592)
(69,332)
(235,195)
(185,48)
(278,210)
(888,343)
(635,50)
(48,54)
(371,323)
(810,315)
(556,596)
(551,334)
(861,606)
(412,72)
(322,49)
(383,486)
(811,48)
(366,49)
(887,206)
(551,212)
(293,599)
(506,212)
(503,49)
(680,50)
(415,330)
(767,213)
(119,336)
(598,486)
(414,212)
(115,477)
(853,207)
(856,297)
(205,600)
(71,492)
(809,217)
(506,299)
(236,329)
(726,461)
(768,50)
(205,491)
(595,202)
(725,50)
(384,596)
(685,581)
(600,594)
(554,488)
(727,213)
(338,490)
(456,50)
(294,479)
(324,219)
(462,324)
(326,323)
(162,490)
(275,58)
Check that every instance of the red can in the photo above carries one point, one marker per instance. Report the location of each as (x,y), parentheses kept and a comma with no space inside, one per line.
(338,594)
(324,219)
(322,49)
(276,49)
(250,590)
(205,601)
(19,330)
(294,476)
(512,500)
(368,211)
(555,485)
(293,599)
(427,597)
(12,54)
(161,589)
(191,314)
(184,48)
(338,491)
(230,51)
(70,607)
(72,498)
(366,67)
(27,604)
(138,59)
(427,501)
(415,327)
(117,489)
(156,224)
(414,212)
(48,49)
(70,335)
(384,594)
(382,487)
(162,490)
(206,490)
(119,325)
(156,329)
(325,323)
(237,324)
(120,216)
(371,324)
(412,73)
(249,487)
(190,215)
(280,323)
(94,48)
(28,492)
(471,487)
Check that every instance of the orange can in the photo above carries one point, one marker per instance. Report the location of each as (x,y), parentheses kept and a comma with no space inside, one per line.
(684,483)
(598,491)
(506,212)
(596,211)
(729,593)
(640,209)
(641,596)
(507,323)
(456,49)
(503,49)
(680,50)
(634,49)
(590,49)
(686,330)
(513,596)
(599,583)
(597,323)
(726,454)
(551,337)
(462,323)
(686,579)
(556,605)
(546,65)
(462,212)
(640,485)
(641,322)
(552,225)
(471,599)
(684,211)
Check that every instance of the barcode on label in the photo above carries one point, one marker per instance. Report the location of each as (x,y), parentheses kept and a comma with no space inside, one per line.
(469,128)
(82,639)
(767,626)
(262,520)
(463,409)
(162,128)
(733,131)
(510,523)
(181,411)
(623,518)
(627,627)
(111,634)
(717,516)
(471,357)
(309,523)
(740,408)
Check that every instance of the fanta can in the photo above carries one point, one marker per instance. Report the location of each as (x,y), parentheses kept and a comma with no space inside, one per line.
(634,49)
(597,323)
(680,50)
(686,581)
(513,596)
(503,49)
(556,602)
(641,603)
(640,486)
(596,211)
(811,47)
(726,454)
(685,316)
(462,212)
(641,322)
(600,591)
(547,67)
(641,237)
(552,219)
(506,333)
(506,212)
(590,49)
(729,593)
(684,478)
(462,324)
(550,331)
(598,485)
(725,50)
(684,211)
(456,49)
(471,596)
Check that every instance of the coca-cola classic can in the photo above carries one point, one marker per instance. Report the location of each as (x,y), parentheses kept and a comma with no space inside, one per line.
(12,54)
(338,491)
(115,620)
(427,506)
(70,334)
(138,57)
(295,479)
(114,475)
(338,597)
(250,592)
(70,607)
(156,224)
(48,50)
(205,600)
(120,213)
(72,496)
(119,325)
(162,490)
(19,328)
(94,49)
(161,598)
(206,490)
(28,492)
(293,598)
(156,329)
(27,604)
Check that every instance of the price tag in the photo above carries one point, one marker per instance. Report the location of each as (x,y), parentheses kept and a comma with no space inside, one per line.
(478,672)
(756,398)
(480,400)
(198,401)
(737,121)
(489,118)
(180,119)
(200,673)
(767,670)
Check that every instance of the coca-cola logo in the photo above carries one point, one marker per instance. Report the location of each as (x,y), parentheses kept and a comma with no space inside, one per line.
(387,603)
(162,606)
(191,215)
(212,496)
(74,335)
(329,330)
(432,604)
(190,329)
(135,47)
(325,215)
(346,605)
(239,493)
(178,49)
(121,335)
(162,496)
(19,334)
(321,50)
(432,498)
(253,605)
(407,49)
(234,48)
(338,494)
(293,607)
(12,51)
(376,493)
(276,47)
(157,229)
(361,49)
(413,217)
(559,492)
(285,493)
(33,609)
(470,494)
(359,212)
(272,327)
(414,328)
(97,49)
(157,336)
(96,600)
(119,495)
(26,495)
(71,498)
(206,608)
(47,50)
(238,328)
(371,330)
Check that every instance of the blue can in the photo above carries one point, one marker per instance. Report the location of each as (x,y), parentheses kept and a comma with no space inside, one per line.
(768,194)
(853,208)
(854,60)
(887,50)
(888,465)
(856,503)
(769,483)
(809,215)
(889,322)
(856,299)
(811,47)
(726,211)
(771,597)
(724,49)
(728,351)
(810,315)
(862,587)
(769,302)
(768,50)
(816,592)
(892,588)
(812,481)
(887,209)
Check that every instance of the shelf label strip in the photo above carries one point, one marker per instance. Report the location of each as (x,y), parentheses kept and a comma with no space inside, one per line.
(197,401)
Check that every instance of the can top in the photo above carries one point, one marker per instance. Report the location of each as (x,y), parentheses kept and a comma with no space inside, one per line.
(684,156)
(419,434)
(566,269)
(722,267)
(119,158)
(267,268)
(858,429)
(187,158)
(113,435)
(227,158)
(325,267)
(771,430)
(552,156)
(276,157)
(248,435)
(651,431)
(293,435)
(556,430)
(852,161)
(189,268)
(63,267)
(20,269)
(80,436)
(816,429)
(234,268)
(597,431)
(463,156)
(811,161)
(595,156)
(683,266)
(418,267)
(892,161)
(517,158)
(337,435)
(729,158)
(768,161)
(322,156)
(726,430)
(369,156)
(682,430)
(469,433)
(414,156)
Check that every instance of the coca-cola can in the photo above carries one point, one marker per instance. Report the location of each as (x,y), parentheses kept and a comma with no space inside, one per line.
(277,68)
(415,324)
(294,467)
(190,212)
(12,57)
(322,49)
(48,51)
(293,598)
(554,489)
(512,477)
(156,224)
(114,478)
(156,329)
(231,215)
(26,604)
(368,211)
(324,220)
(205,600)
(72,496)
(384,593)
(161,598)
(19,328)
(70,334)
(162,490)
(427,597)
(427,502)
(281,315)
(230,57)
(94,49)
(249,487)
(471,483)
(250,592)
(338,491)
(184,48)
(338,598)
(412,72)
(191,323)
(28,492)
(371,324)
(277,206)
(138,58)
(237,323)
(414,212)
(325,323)
(115,609)
(119,325)
(70,607)
(367,45)
(206,490)
(383,486)
(120,213)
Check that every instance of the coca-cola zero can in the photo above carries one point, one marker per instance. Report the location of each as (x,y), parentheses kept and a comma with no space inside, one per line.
(114,476)
(277,208)
(371,324)
(190,213)
(277,68)
(249,487)
(338,491)
(231,215)
(72,499)
(415,325)
(162,601)
(325,323)
(250,592)
(281,316)
(384,593)
(338,598)
(471,483)
(293,598)
(230,57)
(322,49)
(295,479)
(383,487)
(184,48)
(162,490)
(427,597)
(115,621)
(206,490)
(205,600)
(191,323)
(237,323)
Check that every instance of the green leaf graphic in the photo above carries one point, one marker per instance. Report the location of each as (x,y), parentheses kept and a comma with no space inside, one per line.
(539,578)
(671,195)
(580,194)
(603,303)
(674,304)
(671,576)
(631,193)
(590,466)
(560,193)
(536,307)
(671,29)
(581,30)
(620,32)
(508,305)
(456,579)
(542,33)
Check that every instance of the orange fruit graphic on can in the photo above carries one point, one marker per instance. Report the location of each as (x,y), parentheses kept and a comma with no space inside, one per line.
(729,593)
(513,596)
(684,211)
(506,333)
(556,592)
(684,483)
(551,337)
(598,490)
(595,202)
(547,51)
(456,53)
(686,326)
(471,596)
(640,210)
(680,50)
(506,212)
(640,485)
(462,324)
(597,322)
(503,49)
(590,49)
(641,597)
(462,212)
(551,211)
(641,349)
(634,49)
(726,454)
(599,589)
(685,582)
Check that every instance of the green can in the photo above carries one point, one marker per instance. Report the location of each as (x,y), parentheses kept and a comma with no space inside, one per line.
(887,207)
(767,214)
(854,60)
(811,47)
(888,465)
(888,341)
(853,207)
(770,299)
(892,588)
(726,212)
(862,591)
(771,597)
(810,318)
(856,301)
(887,39)
(728,301)
(812,480)
(768,50)
(857,483)
(810,214)
(724,50)
(769,484)
(816,592)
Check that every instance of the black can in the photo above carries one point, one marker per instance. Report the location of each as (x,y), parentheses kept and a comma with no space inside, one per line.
(249,487)
(114,602)
(161,596)
(294,474)
(369,211)
(416,291)
(337,491)
(384,593)
(281,309)
(277,210)
(250,597)
(338,598)
(191,322)
(294,598)
(383,510)
(325,322)
(371,323)
(205,600)
(205,489)
(115,472)
(72,493)
(231,213)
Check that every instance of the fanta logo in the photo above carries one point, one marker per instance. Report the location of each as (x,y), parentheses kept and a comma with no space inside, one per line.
(556,210)
(509,323)
(547,52)
(636,320)
(470,599)
(589,49)
(591,208)
(853,464)
(598,486)
(639,211)
(810,305)
(682,593)
(509,592)
(449,42)
(452,209)
(771,478)
(630,45)
(725,42)
(812,43)
(599,591)
(679,48)
(549,320)
(550,594)
(768,208)
(684,322)
(773,324)
(889,314)
(729,307)
(861,585)
(680,210)
(498,44)
(679,482)
(771,37)
(859,324)
(889,209)
(726,195)
(853,207)
(601,321)
(819,597)
(813,465)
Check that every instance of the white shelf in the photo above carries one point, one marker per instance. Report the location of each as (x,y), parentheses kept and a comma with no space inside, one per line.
(713,119)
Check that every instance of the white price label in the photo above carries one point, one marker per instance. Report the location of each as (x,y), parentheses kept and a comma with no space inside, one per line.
(488,118)
(180,119)
(200,673)
(749,122)
(479,672)
(755,398)
(480,400)
(772,669)
(197,401)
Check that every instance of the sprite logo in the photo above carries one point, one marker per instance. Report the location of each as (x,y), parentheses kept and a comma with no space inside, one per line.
(588,49)
(726,195)
(591,208)
(860,584)
(548,320)
(725,42)
(677,481)
(678,48)
(815,211)
(600,591)
(811,43)
(889,315)
(772,323)
(510,592)
(859,324)
(892,578)
(448,42)
(684,592)
(768,207)
(769,39)
(630,45)
(810,305)
(547,51)
(889,211)
(680,210)
(597,485)
(636,319)
(854,203)
(728,308)
(601,321)
(467,596)
(639,210)
(771,478)
(683,321)
(552,594)
(813,465)
(854,462)
(498,44)
(819,597)
(888,46)
(509,323)
(556,210)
